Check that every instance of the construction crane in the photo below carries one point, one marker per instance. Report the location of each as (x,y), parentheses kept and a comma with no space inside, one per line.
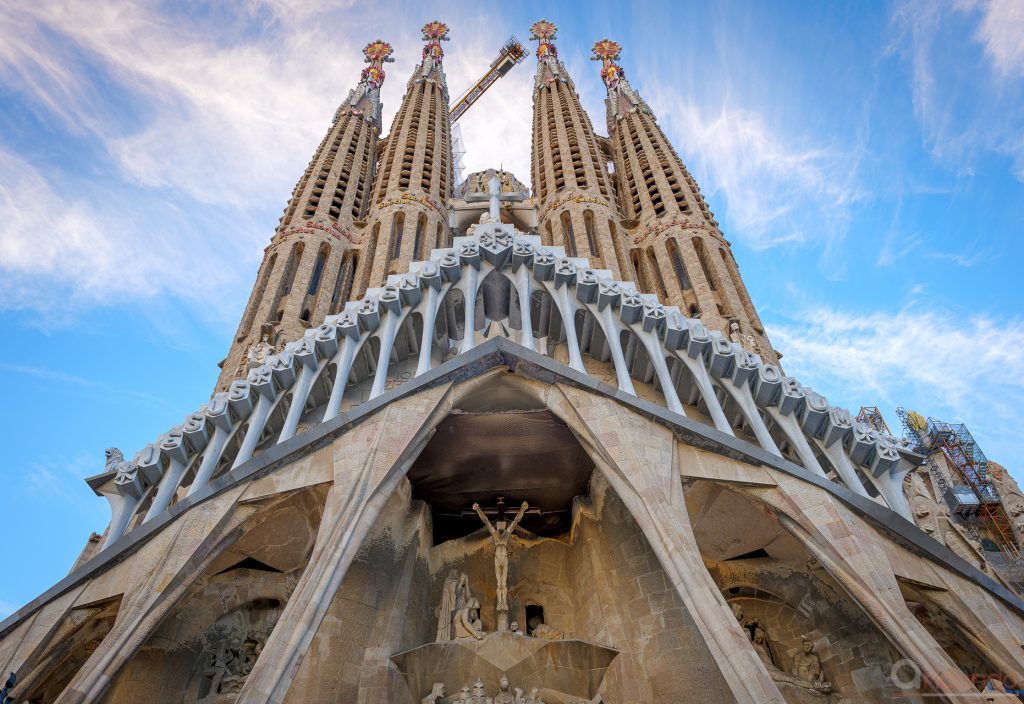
(510,54)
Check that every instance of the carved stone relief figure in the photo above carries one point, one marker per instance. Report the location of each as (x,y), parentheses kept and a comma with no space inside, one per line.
(446,611)
(500,537)
(259,352)
(504,695)
(479,696)
(546,632)
(807,667)
(467,621)
(436,694)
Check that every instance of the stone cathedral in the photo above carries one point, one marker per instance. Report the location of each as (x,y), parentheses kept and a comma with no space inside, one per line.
(488,443)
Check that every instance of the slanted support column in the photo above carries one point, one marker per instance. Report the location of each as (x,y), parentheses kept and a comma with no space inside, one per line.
(796,437)
(367,469)
(707,391)
(745,400)
(841,462)
(525,290)
(639,461)
(612,329)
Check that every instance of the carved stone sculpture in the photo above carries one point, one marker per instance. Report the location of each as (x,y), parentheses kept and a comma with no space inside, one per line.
(113,457)
(446,611)
(504,695)
(807,667)
(436,694)
(761,647)
(500,537)
(479,696)
(546,632)
(260,351)
(467,621)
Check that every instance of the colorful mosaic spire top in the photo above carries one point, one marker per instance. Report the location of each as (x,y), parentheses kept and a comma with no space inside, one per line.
(377,53)
(544,32)
(433,34)
(607,52)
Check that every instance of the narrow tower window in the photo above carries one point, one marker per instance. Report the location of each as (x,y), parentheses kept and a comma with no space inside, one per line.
(318,272)
(421,225)
(568,238)
(395,245)
(677,265)
(656,276)
(588,222)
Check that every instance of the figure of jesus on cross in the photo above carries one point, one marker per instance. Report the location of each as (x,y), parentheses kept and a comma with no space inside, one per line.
(501,536)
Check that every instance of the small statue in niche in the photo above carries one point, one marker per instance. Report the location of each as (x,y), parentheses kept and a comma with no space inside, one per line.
(436,694)
(260,351)
(467,621)
(514,627)
(447,610)
(761,646)
(504,695)
(479,696)
(219,669)
(251,650)
(807,667)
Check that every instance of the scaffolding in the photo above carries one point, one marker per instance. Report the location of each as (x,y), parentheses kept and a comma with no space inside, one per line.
(873,417)
(969,489)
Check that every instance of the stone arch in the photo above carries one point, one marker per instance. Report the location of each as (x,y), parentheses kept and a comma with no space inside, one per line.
(48,672)
(257,556)
(759,565)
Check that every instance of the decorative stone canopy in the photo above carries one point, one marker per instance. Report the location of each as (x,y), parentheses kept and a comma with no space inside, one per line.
(452,302)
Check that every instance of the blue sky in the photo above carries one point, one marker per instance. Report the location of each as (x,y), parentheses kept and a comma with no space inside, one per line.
(866,160)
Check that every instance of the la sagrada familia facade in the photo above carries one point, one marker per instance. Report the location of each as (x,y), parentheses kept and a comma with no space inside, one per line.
(474,442)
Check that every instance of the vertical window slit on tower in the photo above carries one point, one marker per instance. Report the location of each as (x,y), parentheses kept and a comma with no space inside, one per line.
(318,271)
(421,225)
(658,280)
(677,265)
(567,235)
(395,245)
(339,282)
(588,222)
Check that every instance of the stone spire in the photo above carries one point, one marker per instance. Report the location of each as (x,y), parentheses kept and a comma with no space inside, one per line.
(308,270)
(678,250)
(409,213)
(569,169)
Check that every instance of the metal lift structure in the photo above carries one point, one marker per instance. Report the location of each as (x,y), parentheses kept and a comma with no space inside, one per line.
(970,490)
(510,54)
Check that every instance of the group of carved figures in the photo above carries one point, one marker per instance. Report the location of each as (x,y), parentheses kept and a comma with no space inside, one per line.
(506,695)
(228,666)
(806,670)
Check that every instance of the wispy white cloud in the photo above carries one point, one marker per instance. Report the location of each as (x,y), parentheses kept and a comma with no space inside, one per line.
(778,188)
(59,252)
(1000,31)
(934,361)
(965,107)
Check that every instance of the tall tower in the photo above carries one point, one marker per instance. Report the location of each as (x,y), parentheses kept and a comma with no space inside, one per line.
(570,175)
(308,269)
(677,248)
(409,214)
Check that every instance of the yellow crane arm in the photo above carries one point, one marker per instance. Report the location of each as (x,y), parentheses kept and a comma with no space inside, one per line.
(510,54)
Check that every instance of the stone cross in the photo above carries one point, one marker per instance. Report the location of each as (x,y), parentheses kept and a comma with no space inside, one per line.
(495,196)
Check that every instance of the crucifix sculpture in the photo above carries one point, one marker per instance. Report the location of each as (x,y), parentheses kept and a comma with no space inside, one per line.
(495,197)
(501,535)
